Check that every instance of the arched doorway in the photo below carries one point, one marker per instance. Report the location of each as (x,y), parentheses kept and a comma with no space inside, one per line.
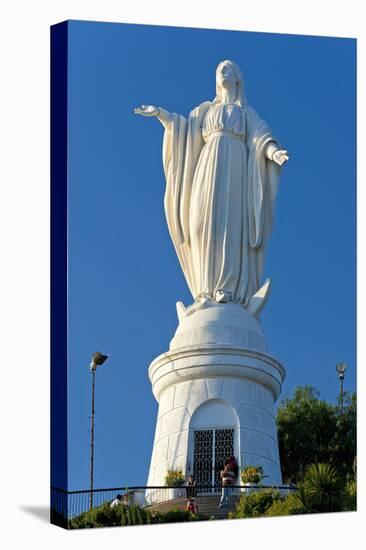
(213,437)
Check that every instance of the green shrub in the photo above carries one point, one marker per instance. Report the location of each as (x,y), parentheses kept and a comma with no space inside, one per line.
(176,515)
(287,506)
(133,512)
(174,478)
(135,515)
(255,504)
(323,489)
(90,519)
(350,496)
(252,474)
(105,516)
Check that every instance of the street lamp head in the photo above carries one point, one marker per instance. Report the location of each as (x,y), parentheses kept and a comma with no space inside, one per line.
(97,360)
(341,368)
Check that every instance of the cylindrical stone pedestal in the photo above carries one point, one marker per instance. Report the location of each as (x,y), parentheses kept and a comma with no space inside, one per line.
(216,380)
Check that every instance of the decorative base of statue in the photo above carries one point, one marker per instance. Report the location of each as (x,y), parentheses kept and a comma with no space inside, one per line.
(216,379)
(254,307)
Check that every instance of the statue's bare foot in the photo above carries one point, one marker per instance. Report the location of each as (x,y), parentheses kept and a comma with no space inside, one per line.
(223,296)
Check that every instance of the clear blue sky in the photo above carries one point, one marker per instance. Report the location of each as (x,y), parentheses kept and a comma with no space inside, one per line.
(124,278)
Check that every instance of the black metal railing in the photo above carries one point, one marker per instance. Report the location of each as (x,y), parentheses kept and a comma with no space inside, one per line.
(70,504)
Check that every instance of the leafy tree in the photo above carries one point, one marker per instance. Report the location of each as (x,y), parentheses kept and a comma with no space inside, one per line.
(343,444)
(311,430)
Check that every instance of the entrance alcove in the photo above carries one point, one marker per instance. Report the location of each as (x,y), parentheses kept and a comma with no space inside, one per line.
(213,437)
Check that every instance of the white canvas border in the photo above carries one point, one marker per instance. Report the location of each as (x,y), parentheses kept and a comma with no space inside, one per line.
(25,252)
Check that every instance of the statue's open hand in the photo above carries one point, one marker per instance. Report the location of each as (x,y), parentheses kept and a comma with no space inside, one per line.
(147,110)
(280,156)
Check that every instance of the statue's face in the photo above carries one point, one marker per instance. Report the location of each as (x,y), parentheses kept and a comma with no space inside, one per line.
(225,76)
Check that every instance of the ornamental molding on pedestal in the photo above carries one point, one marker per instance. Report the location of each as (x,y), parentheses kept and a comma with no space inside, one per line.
(215,361)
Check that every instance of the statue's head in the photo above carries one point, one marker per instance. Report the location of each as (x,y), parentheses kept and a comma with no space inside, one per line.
(229,75)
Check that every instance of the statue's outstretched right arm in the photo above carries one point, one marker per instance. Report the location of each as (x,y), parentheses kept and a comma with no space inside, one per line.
(151,111)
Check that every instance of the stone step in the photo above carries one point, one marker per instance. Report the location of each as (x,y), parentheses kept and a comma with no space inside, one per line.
(207,505)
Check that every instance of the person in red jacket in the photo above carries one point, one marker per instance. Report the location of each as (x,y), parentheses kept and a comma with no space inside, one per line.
(192,506)
(233,465)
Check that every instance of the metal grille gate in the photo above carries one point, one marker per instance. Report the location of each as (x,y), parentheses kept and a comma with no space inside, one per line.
(211,449)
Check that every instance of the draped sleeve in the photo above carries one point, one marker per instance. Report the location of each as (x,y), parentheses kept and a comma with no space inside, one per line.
(263,179)
(182,146)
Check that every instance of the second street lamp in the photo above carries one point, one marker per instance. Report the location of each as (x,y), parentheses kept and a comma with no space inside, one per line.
(97,360)
(341,369)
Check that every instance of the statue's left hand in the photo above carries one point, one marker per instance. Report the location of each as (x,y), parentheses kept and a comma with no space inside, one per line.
(280,156)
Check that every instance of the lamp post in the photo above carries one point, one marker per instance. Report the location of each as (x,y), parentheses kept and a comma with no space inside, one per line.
(97,360)
(341,369)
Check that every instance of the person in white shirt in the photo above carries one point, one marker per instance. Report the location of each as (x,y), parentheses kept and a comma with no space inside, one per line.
(118,501)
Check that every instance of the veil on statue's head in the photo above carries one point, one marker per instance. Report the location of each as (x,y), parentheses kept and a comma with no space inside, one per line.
(241,99)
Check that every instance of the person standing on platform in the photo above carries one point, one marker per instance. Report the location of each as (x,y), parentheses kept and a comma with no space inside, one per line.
(191,487)
(227,479)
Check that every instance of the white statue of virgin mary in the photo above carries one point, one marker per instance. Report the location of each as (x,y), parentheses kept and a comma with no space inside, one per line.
(222,169)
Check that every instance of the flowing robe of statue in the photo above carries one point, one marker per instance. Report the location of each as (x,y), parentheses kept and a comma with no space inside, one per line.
(219,198)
